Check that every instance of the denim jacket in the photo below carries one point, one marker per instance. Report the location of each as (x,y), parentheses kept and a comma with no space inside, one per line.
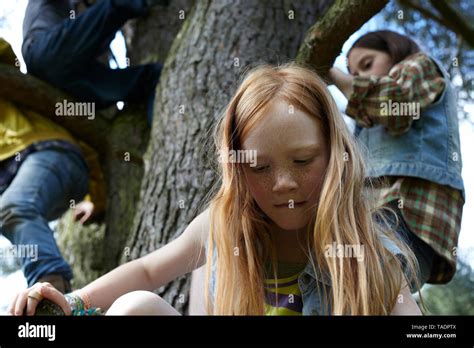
(312,285)
(429,150)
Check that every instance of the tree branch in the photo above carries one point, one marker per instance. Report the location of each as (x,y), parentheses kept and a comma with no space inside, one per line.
(425,12)
(455,20)
(37,95)
(324,40)
(448,17)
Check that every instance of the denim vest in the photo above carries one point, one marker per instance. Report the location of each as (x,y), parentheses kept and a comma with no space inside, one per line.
(429,150)
(312,285)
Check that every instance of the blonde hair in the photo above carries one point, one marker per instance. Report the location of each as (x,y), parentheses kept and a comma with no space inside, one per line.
(239,231)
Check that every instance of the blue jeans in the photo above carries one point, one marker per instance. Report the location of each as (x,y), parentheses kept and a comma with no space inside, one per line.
(65,56)
(40,192)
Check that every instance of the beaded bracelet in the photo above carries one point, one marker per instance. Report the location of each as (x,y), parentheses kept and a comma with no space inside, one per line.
(80,304)
(75,301)
(87,312)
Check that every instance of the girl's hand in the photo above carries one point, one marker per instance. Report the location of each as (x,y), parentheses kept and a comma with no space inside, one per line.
(342,81)
(29,299)
(83,211)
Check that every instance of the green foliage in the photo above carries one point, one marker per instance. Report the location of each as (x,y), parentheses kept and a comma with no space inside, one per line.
(454,298)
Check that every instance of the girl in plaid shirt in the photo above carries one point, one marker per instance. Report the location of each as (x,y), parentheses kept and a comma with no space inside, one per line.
(405,111)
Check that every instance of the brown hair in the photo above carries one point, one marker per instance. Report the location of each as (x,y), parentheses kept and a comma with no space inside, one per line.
(397,46)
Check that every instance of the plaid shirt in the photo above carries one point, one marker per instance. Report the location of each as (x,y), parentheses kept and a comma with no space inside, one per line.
(416,78)
(432,211)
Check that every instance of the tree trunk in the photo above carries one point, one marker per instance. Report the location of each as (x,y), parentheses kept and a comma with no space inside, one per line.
(95,249)
(218,40)
(148,41)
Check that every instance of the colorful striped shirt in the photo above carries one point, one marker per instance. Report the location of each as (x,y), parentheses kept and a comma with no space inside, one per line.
(283,295)
(432,211)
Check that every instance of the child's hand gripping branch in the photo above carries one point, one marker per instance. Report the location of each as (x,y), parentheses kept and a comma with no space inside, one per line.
(25,302)
(126,289)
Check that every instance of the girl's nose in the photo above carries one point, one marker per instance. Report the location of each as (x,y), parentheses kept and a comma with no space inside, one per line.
(284,182)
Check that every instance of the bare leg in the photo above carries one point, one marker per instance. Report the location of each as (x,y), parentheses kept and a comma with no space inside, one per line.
(141,303)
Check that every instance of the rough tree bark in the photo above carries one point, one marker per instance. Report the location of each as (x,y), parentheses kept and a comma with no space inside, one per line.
(148,40)
(343,19)
(95,249)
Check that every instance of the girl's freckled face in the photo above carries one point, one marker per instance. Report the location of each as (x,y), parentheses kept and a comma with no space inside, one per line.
(292,156)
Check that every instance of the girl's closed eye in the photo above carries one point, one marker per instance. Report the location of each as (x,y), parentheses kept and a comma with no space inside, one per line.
(259,169)
(367,65)
(304,161)
(300,162)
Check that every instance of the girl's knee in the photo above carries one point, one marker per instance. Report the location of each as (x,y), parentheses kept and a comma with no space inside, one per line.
(141,303)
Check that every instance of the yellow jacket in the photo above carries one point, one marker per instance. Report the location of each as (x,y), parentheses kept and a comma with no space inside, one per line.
(21,127)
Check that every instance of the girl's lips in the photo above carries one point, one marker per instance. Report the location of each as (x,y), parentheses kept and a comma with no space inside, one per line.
(293,205)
